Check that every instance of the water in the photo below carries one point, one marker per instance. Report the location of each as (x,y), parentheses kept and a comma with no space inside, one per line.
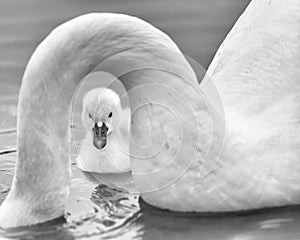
(97,210)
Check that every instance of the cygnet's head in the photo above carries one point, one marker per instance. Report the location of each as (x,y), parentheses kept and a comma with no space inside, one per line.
(101,114)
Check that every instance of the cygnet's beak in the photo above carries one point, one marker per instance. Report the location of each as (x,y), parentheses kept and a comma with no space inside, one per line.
(100,135)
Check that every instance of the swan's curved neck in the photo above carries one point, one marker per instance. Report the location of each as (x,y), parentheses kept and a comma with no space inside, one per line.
(120,44)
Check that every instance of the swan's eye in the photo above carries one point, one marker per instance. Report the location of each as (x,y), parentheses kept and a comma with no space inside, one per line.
(110,115)
(90,115)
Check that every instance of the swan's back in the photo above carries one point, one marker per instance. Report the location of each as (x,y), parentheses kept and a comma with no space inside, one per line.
(257,69)
(258,64)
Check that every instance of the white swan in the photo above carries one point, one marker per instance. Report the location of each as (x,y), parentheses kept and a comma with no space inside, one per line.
(107,152)
(256,72)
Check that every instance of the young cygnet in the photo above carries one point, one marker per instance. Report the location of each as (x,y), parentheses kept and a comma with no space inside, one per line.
(105,148)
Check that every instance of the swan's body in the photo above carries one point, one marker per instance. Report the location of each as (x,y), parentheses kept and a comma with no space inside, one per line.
(114,156)
(256,72)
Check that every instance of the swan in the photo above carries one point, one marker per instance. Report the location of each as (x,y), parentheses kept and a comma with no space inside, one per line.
(102,113)
(253,156)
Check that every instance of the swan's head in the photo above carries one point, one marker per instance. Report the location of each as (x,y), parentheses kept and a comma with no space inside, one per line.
(101,114)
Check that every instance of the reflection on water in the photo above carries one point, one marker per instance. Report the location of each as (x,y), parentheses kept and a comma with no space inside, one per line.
(96,209)
(269,224)
(122,217)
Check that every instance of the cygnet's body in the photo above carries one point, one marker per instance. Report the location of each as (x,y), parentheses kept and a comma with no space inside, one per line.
(105,147)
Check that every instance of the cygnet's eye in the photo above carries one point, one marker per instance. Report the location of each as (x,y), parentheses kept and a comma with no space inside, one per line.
(110,115)
(90,115)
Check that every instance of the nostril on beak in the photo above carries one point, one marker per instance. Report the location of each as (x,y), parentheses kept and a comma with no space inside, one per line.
(104,130)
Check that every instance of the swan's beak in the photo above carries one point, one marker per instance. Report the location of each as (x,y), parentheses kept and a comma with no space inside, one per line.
(100,135)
